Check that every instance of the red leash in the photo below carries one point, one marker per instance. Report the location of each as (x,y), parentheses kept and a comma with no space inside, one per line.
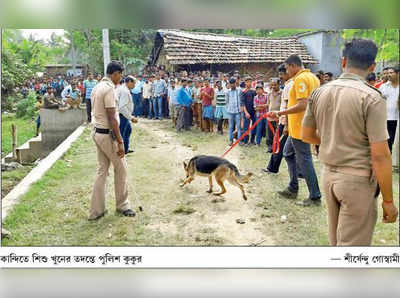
(276,140)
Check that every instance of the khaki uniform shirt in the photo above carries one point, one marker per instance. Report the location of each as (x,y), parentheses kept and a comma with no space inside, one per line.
(349,115)
(103,96)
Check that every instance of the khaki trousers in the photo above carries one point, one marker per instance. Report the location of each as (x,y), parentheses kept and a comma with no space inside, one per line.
(352,207)
(106,154)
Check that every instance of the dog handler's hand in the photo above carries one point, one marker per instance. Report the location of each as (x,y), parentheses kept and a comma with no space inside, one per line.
(272,114)
(390,212)
(121,151)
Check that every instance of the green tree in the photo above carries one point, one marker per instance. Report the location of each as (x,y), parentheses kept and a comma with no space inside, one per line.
(387,41)
(14,70)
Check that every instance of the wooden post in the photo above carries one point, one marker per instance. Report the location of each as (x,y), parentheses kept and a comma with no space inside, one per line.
(14,140)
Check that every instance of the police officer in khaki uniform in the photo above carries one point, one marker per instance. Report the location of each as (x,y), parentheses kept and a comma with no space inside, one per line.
(347,118)
(109,144)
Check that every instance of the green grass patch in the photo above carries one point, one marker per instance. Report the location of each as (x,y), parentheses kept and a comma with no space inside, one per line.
(184,210)
(26,128)
(10,179)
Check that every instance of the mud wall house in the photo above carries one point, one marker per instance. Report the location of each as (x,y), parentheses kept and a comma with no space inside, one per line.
(194,51)
(325,46)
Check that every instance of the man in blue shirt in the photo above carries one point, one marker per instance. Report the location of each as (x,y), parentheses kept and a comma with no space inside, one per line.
(160,89)
(234,110)
(184,100)
(137,97)
(89,85)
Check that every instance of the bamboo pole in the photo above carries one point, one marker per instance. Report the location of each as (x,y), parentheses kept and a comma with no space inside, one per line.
(14,140)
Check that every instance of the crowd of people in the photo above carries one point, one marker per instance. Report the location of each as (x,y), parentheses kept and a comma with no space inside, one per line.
(305,108)
(61,92)
(300,106)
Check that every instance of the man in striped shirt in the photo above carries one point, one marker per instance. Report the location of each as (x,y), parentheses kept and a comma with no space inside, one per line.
(220,106)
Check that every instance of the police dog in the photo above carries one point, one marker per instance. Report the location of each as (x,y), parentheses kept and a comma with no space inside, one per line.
(222,169)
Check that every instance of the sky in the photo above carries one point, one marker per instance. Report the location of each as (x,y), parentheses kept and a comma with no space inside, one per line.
(41,33)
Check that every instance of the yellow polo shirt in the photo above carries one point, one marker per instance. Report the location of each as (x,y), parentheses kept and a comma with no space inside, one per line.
(304,82)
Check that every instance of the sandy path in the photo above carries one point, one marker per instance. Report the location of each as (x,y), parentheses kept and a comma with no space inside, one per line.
(216,214)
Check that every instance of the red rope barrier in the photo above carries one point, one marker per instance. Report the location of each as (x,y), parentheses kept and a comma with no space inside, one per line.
(276,139)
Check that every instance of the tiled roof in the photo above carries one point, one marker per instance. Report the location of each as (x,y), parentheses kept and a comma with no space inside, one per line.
(183,47)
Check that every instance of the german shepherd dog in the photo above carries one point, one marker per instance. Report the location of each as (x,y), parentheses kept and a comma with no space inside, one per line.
(222,169)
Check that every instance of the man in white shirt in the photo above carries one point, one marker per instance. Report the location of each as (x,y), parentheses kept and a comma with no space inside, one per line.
(390,90)
(147,98)
(125,107)
(172,103)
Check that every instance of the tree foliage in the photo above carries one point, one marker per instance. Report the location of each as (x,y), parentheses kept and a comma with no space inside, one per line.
(22,58)
(14,69)
(387,41)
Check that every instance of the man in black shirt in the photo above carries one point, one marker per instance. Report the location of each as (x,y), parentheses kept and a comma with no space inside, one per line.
(249,114)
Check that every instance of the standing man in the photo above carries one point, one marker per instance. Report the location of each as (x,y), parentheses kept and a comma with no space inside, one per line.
(189,87)
(172,91)
(275,161)
(260,106)
(352,160)
(160,89)
(184,101)
(109,144)
(207,96)
(147,98)
(89,85)
(152,104)
(390,91)
(233,109)
(384,78)
(137,97)
(197,103)
(296,151)
(220,106)
(249,114)
(125,106)
(274,104)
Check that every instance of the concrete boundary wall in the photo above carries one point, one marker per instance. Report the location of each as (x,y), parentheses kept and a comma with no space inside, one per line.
(36,173)
(56,126)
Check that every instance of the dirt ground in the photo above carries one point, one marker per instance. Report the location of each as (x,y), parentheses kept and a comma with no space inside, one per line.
(213,213)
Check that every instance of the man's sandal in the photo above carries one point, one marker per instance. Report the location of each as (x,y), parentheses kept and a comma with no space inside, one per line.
(128,213)
(99,216)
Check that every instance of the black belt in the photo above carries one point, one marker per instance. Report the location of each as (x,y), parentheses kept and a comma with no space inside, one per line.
(102,130)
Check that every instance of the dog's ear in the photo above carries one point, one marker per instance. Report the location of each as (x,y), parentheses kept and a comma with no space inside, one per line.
(184,165)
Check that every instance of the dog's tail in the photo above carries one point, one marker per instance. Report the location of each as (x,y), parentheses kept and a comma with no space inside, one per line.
(241,178)
(245,178)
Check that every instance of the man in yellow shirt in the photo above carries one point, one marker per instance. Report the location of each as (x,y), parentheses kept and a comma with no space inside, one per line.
(295,150)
